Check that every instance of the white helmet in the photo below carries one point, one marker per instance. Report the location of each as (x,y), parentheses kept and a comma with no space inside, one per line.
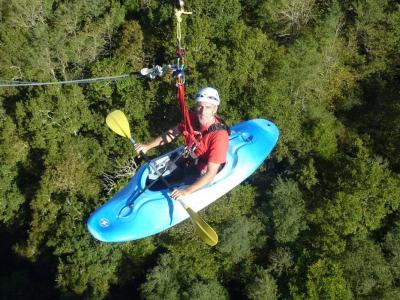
(209,95)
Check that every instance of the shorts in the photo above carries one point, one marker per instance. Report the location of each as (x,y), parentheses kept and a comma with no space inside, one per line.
(183,174)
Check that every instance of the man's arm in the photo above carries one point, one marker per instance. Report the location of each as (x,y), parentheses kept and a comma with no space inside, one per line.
(163,139)
(212,171)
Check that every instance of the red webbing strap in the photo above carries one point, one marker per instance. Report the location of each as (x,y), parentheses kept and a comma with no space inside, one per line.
(188,132)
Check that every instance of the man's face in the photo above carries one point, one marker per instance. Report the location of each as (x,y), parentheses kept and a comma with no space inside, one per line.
(205,111)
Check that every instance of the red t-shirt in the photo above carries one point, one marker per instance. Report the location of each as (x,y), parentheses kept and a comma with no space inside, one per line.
(213,146)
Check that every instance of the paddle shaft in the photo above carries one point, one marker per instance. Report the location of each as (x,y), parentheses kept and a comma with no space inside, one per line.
(141,153)
(153,182)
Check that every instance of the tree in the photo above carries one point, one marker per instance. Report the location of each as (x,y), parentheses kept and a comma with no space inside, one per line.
(206,290)
(391,246)
(86,267)
(286,17)
(366,270)
(365,194)
(281,261)
(239,238)
(238,202)
(287,209)
(263,286)
(162,282)
(131,45)
(378,34)
(13,153)
(325,280)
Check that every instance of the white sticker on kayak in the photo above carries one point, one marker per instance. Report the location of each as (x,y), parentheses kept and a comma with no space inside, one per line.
(104,222)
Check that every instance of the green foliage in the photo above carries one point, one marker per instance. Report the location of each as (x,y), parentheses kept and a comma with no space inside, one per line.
(238,202)
(131,45)
(393,293)
(239,238)
(374,18)
(57,39)
(281,261)
(162,282)
(321,128)
(311,79)
(366,192)
(392,247)
(71,171)
(244,70)
(326,281)
(263,287)
(288,210)
(194,259)
(207,290)
(366,270)
(13,152)
(376,119)
(84,267)
(219,15)
(307,174)
(286,18)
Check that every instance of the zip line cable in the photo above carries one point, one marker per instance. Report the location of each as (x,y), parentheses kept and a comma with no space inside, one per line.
(152,72)
(15,83)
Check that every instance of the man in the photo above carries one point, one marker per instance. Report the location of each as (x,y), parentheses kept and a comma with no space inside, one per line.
(211,152)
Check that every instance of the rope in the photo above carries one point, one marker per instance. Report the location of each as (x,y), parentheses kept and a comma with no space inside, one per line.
(179,74)
(180,62)
(15,83)
(178,15)
(188,132)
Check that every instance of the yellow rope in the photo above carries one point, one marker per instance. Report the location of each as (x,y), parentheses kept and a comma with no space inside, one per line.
(178,15)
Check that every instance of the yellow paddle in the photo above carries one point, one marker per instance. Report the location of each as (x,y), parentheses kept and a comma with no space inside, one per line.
(118,123)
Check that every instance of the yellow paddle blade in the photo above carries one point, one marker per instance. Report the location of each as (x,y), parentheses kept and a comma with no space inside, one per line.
(206,233)
(118,123)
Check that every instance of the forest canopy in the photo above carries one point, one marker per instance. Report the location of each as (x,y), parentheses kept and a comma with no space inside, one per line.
(319,220)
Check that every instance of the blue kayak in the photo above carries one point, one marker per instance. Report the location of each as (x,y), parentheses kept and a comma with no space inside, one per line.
(134,214)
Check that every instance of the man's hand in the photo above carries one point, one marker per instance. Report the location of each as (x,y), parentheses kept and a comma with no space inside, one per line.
(142,148)
(178,193)
(212,170)
(163,139)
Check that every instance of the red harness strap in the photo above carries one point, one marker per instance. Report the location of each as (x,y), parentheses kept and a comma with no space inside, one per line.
(189,133)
